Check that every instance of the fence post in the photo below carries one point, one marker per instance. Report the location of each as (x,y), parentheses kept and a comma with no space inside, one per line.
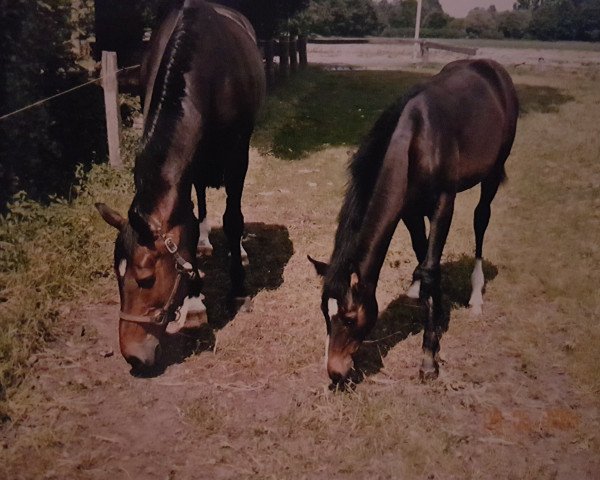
(111,106)
(269,47)
(303,57)
(293,53)
(284,55)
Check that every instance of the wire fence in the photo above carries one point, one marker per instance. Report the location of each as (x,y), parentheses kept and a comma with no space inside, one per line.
(66,92)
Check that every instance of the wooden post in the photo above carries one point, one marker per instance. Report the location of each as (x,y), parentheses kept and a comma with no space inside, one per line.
(417,48)
(111,106)
(269,46)
(303,57)
(284,55)
(293,53)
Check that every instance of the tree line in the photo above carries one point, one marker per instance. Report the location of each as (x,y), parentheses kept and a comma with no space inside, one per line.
(533,19)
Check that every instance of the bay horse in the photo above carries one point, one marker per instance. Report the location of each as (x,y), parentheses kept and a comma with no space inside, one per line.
(445,136)
(204,83)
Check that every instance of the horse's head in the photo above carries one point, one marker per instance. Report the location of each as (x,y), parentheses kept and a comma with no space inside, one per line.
(349,318)
(155,271)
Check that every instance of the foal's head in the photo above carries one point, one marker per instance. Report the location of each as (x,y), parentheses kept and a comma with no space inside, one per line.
(155,270)
(350,313)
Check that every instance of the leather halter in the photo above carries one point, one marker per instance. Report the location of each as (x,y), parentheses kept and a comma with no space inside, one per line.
(167,313)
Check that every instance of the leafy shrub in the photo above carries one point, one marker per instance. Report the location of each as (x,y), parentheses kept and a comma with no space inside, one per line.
(50,255)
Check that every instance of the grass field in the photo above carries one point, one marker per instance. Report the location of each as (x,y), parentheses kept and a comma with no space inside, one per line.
(518,393)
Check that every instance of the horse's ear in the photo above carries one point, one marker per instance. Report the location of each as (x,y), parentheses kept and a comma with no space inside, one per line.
(320,267)
(147,231)
(110,216)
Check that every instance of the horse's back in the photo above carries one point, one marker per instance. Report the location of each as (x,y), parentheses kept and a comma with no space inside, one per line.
(463,122)
(223,70)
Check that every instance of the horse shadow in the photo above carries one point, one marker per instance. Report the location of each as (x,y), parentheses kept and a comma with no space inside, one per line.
(406,316)
(269,249)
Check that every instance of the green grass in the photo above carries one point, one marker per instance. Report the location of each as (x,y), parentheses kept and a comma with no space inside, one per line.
(49,256)
(316,108)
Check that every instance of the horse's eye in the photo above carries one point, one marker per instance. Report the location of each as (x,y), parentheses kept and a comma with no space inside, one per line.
(348,321)
(146,282)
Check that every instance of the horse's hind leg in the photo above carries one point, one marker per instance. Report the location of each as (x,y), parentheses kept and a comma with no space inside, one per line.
(204,248)
(233,219)
(481,219)
(415,224)
(431,291)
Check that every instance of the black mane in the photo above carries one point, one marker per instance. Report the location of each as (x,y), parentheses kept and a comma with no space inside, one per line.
(163,114)
(364,170)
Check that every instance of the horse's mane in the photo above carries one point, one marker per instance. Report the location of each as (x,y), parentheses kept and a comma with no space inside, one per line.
(364,170)
(163,114)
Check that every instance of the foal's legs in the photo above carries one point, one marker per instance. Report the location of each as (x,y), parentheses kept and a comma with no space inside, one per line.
(431,293)
(481,219)
(205,248)
(236,167)
(415,224)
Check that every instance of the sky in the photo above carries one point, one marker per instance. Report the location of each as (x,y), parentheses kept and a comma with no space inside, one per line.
(460,8)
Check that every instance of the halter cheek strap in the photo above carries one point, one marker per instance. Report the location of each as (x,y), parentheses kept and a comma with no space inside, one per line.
(167,313)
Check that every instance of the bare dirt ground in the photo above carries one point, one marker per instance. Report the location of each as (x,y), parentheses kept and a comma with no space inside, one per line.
(253,402)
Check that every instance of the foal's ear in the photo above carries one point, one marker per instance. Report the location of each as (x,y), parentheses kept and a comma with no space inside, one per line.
(110,216)
(320,267)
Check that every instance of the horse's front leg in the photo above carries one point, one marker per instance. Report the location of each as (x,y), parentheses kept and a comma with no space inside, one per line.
(205,248)
(430,291)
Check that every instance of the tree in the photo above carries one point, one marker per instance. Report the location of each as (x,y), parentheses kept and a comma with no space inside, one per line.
(269,18)
(481,23)
(340,17)
(514,24)
(527,4)
(554,20)
(40,147)
(119,28)
(588,21)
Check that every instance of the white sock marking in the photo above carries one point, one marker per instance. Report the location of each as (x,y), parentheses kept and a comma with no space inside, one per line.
(244,254)
(477,283)
(122,267)
(326,350)
(203,241)
(414,289)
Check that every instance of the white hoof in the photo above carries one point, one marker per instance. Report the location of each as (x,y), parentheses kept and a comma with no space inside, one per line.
(476,309)
(414,289)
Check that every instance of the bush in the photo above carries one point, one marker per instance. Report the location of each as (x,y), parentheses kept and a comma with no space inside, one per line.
(50,255)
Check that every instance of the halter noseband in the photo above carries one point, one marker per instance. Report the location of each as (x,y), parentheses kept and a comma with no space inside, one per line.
(166,313)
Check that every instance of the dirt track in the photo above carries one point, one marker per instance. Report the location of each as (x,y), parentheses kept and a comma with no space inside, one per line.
(253,401)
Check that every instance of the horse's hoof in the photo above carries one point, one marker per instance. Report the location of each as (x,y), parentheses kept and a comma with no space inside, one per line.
(413,290)
(429,370)
(476,309)
(204,250)
(243,304)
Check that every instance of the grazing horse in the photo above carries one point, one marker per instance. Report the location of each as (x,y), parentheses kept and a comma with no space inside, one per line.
(447,135)
(203,83)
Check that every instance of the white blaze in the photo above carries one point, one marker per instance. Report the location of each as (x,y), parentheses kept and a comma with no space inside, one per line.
(332,307)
